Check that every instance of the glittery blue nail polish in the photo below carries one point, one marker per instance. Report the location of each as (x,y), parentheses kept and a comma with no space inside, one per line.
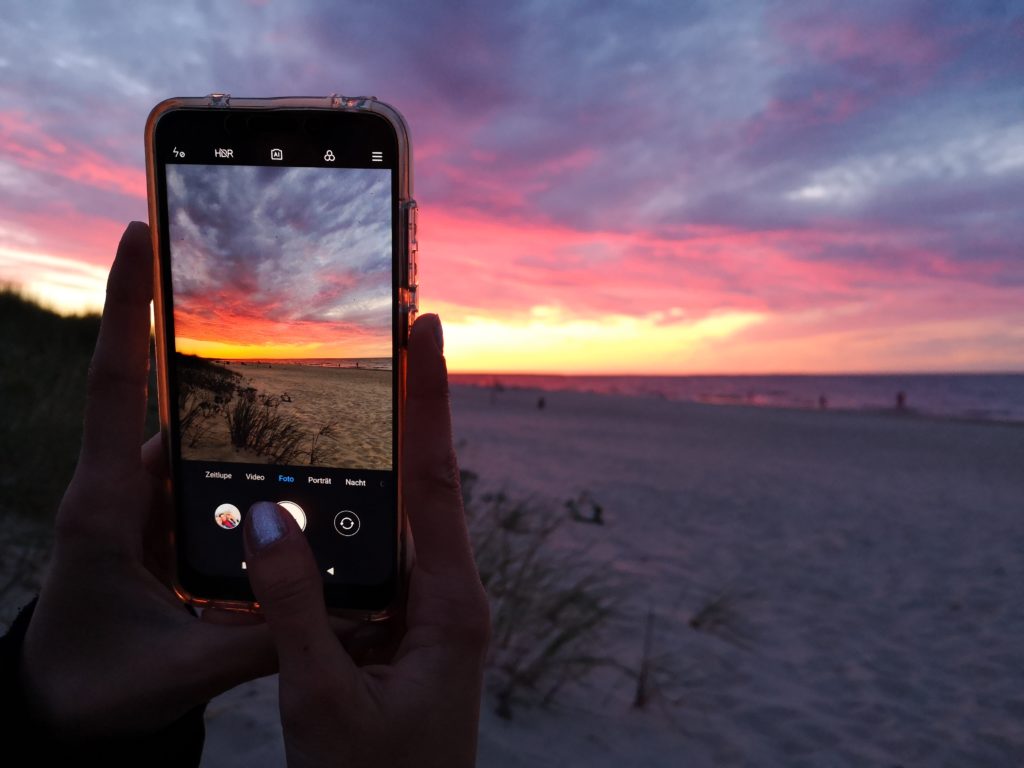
(266,524)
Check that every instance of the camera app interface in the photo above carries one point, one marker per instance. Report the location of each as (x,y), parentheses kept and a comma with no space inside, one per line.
(282,292)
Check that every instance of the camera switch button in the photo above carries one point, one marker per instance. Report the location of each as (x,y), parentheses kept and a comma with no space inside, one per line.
(347,523)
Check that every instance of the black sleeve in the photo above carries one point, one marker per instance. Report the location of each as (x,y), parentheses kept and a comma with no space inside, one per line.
(178,744)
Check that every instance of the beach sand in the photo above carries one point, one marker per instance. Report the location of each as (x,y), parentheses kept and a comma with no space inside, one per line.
(870,567)
(357,401)
(873,561)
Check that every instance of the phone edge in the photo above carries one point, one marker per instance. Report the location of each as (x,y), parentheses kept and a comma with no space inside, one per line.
(407,310)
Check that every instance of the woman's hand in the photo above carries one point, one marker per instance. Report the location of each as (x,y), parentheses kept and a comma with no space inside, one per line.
(423,707)
(110,650)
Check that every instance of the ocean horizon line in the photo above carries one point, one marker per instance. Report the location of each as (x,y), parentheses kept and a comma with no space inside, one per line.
(995,397)
(735,375)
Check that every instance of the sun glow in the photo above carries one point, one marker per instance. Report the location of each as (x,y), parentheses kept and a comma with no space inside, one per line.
(547,340)
(65,285)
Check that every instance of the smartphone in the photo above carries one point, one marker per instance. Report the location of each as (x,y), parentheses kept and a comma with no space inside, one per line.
(284,234)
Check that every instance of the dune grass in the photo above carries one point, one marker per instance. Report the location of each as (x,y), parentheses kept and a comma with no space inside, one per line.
(549,607)
(45,360)
(42,387)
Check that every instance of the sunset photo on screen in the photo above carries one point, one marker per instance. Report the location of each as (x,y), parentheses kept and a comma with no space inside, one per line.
(282,314)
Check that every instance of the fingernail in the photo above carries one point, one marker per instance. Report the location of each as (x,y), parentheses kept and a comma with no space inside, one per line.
(266,525)
(438,334)
(132,227)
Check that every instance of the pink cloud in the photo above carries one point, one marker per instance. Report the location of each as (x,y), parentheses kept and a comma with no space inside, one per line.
(518,264)
(62,231)
(851,37)
(33,149)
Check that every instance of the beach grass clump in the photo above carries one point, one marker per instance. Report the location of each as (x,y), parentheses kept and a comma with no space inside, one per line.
(204,391)
(549,606)
(42,384)
(255,424)
(720,615)
(317,447)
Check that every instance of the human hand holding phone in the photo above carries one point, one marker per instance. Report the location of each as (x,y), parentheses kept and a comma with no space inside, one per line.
(422,707)
(110,653)
(110,650)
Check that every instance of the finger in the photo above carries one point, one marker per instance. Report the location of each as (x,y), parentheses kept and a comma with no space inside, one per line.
(366,642)
(223,655)
(341,627)
(118,374)
(154,459)
(373,642)
(287,583)
(447,610)
(156,542)
(432,492)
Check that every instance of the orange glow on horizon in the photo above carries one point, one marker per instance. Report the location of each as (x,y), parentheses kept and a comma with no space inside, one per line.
(219,350)
(520,297)
(234,333)
(548,341)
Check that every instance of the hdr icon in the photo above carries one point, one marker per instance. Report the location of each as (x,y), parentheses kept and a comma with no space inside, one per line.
(224,154)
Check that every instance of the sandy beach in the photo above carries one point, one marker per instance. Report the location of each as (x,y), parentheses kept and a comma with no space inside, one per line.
(354,402)
(826,588)
(870,566)
(874,563)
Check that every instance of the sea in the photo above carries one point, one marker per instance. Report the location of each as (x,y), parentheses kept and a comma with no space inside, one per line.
(372,363)
(983,396)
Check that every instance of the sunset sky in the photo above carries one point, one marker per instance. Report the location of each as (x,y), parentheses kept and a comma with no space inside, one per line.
(280,262)
(629,187)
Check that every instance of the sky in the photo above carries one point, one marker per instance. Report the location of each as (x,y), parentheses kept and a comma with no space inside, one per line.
(275,263)
(628,187)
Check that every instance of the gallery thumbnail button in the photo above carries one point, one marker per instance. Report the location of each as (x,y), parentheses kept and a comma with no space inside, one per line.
(346,523)
(227,516)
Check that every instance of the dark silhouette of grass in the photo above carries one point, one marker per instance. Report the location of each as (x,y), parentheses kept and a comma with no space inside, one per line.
(204,391)
(721,615)
(316,448)
(45,360)
(255,424)
(42,381)
(549,608)
(208,392)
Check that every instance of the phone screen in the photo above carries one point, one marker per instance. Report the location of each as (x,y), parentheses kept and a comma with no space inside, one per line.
(280,302)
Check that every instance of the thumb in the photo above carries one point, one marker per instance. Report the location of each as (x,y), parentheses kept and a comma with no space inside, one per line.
(287,583)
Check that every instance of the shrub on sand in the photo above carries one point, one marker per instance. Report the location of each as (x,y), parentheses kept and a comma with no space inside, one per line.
(255,424)
(316,448)
(549,605)
(719,615)
(204,391)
